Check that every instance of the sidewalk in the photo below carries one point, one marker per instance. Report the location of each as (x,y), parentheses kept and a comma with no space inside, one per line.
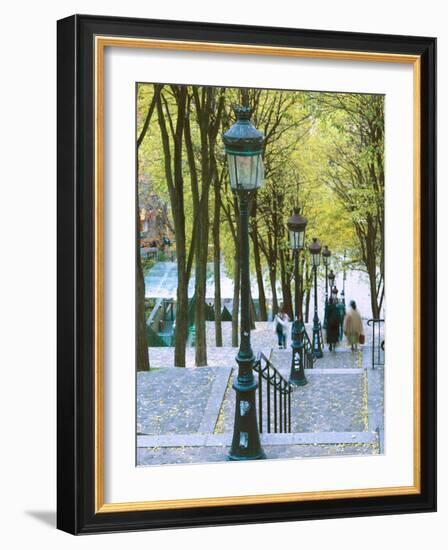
(186,415)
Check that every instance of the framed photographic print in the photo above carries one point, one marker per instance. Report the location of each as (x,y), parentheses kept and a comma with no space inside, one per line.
(246,274)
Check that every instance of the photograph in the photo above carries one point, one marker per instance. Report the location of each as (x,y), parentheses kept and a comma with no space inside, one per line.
(249,217)
(260,274)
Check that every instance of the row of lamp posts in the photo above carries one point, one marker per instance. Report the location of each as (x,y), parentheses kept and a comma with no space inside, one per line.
(244,146)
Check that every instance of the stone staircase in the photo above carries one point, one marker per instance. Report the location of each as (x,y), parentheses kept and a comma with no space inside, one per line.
(186,415)
(342,358)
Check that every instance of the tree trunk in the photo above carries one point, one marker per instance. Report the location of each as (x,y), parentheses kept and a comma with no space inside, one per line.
(142,357)
(307,305)
(370,262)
(180,338)
(173,171)
(236,298)
(141,351)
(253,313)
(273,281)
(259,274)
(373,293)
(181,332)
(286,286)
(217,265)
(200,287)
(208,117)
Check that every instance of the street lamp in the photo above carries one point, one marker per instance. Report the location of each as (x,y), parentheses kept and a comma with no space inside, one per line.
(331,278)
(326,254)
(296,227)
(315,249)
(344,277)
(244,148)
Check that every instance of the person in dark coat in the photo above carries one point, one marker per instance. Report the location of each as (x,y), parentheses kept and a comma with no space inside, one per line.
(333,320)
(340,306)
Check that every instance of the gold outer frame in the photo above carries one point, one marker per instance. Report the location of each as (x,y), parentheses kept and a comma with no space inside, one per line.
(101,42)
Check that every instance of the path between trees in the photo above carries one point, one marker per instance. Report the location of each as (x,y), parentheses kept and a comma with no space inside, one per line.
(186,415)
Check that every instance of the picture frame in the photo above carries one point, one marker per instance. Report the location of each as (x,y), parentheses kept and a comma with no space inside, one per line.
(82,41)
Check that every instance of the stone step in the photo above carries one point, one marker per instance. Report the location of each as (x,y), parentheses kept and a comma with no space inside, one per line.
(330,401)
(225,440)
(341,359)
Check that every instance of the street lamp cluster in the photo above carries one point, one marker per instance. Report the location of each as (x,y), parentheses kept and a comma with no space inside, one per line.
(244,146)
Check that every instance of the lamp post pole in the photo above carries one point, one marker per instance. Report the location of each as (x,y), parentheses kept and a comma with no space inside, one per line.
(331,278)
(343,281)
(244,147)
(315,249)
(326,253)
(296,226)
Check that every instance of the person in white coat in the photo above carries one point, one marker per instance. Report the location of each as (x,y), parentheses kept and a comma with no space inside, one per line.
(281,324)
(353,327)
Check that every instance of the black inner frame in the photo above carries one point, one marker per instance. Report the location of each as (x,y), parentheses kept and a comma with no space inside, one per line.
(76,263)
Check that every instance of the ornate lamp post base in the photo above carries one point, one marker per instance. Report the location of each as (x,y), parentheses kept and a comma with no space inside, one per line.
(317,347)
(297,374)
(246,438)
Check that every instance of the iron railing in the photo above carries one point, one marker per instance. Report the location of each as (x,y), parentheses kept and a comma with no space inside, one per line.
(275,391)
(161,322)
(308,355)
(321,338)
(377,341)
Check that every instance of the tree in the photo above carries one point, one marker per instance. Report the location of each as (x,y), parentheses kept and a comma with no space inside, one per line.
(173,162)
(356,174)
(142,357)
(208,104)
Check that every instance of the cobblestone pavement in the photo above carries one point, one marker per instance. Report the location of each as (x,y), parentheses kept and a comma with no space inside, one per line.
(216,357)
(264,335)
(262,338)
(343,396)
(328,403)
(194,455)
(172,400)
(340,359)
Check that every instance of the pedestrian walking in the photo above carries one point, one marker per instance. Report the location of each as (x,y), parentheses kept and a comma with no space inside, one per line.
(281,323)
(340,306)
(333,320)
(353,328)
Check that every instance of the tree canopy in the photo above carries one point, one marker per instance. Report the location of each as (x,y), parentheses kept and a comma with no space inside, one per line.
(323,152)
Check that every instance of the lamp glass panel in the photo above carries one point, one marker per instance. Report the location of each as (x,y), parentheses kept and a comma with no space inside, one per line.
(297,239)
(293,236)
(246,172)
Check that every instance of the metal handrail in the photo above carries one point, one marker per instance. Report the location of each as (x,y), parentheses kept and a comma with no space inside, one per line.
(377,342)
(154,311)
(279,403)
(309,356)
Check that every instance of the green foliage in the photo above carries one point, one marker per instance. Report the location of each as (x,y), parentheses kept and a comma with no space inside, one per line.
(324,152)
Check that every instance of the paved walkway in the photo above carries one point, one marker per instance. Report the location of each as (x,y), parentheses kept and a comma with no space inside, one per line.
(263,339)
(180,401)
(193,455)
(186,415)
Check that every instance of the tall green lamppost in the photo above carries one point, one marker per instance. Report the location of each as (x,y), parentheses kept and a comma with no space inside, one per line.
(296,227)
(244,147)
(314,250)
(326,255)
(331,278)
